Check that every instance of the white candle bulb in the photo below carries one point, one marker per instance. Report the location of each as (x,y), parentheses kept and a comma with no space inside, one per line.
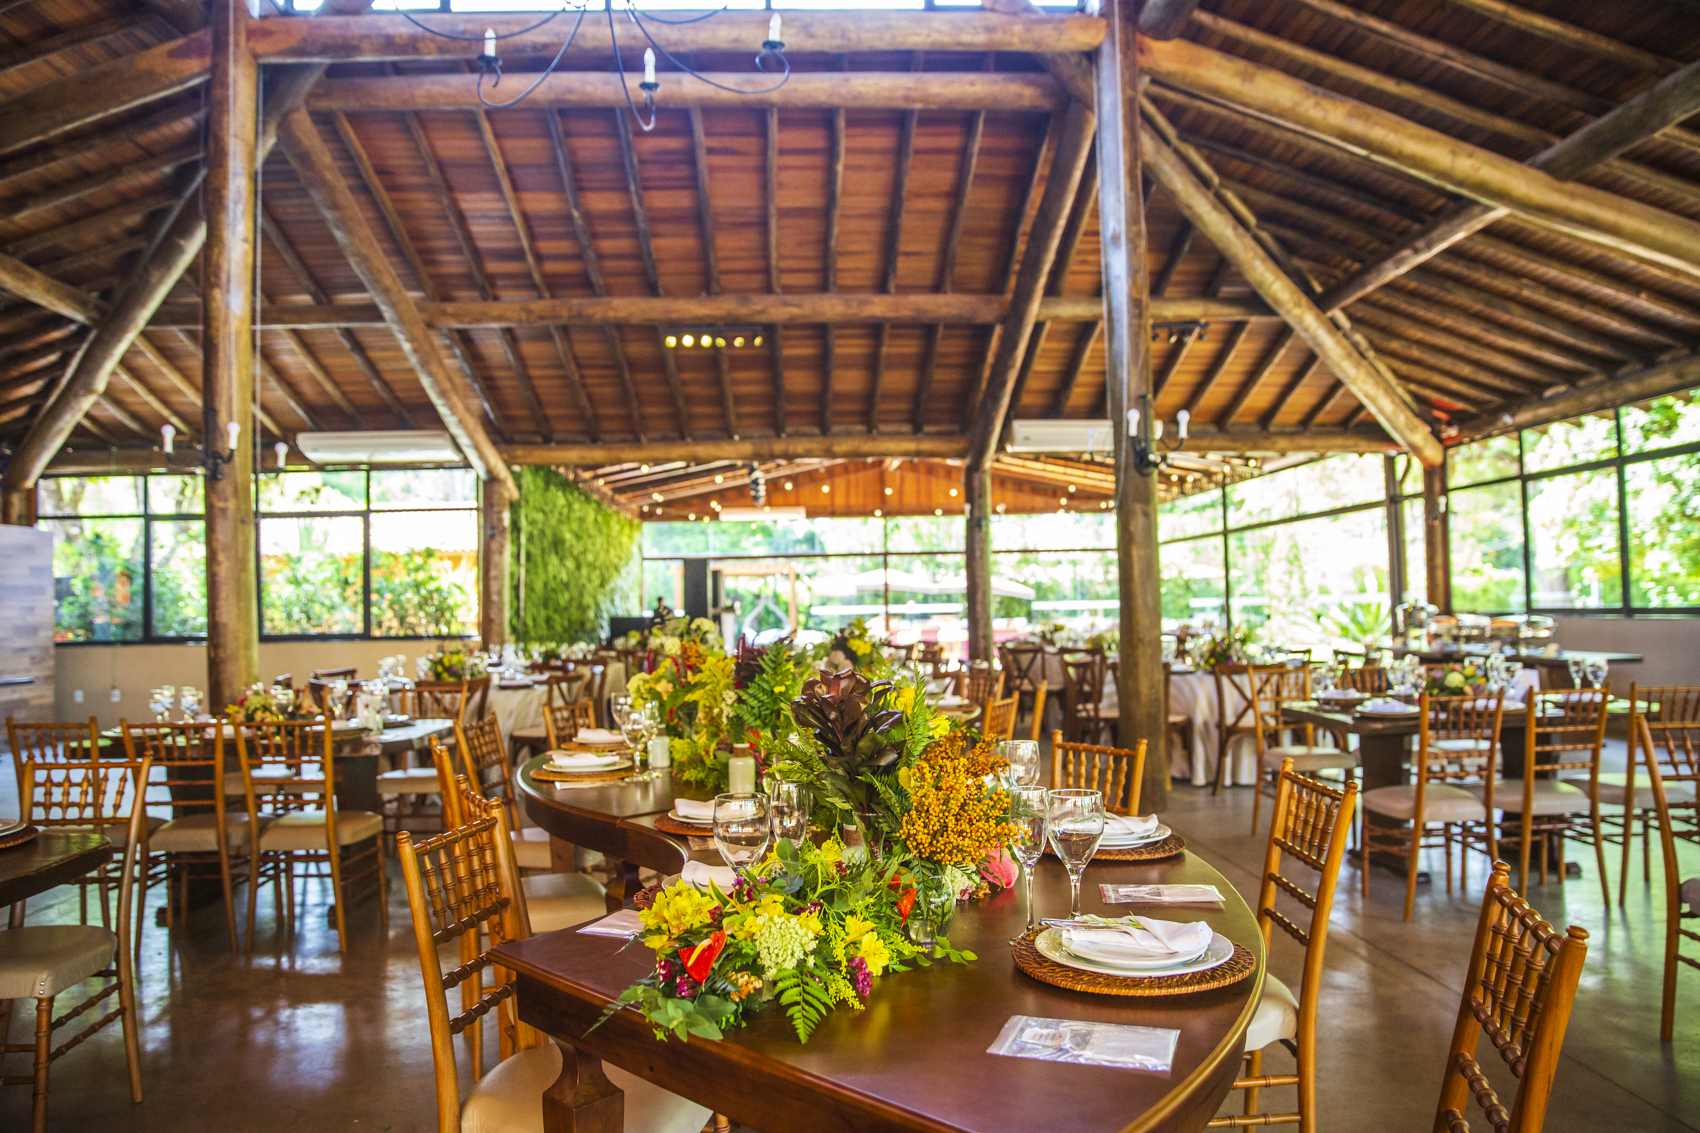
(233,430)
(1133,422)
(1157,428)
(1181,420)
(282,451)
(649,64)
(169,433)
(490,41)
(773,28)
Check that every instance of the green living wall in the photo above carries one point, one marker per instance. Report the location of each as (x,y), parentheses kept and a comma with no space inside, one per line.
(573,561)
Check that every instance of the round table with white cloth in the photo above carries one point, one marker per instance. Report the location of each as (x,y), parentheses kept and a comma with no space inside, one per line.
(519,707)
(1193,695)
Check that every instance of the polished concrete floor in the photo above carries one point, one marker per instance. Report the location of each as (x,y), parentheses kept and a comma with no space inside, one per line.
(296,1037)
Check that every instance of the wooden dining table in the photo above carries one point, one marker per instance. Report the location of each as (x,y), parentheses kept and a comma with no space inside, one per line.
(915,1057)
(51,858)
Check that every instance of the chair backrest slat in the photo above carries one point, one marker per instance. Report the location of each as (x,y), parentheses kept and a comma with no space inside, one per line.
(1000,718)
(1116,773)
(51,743)
(563,721)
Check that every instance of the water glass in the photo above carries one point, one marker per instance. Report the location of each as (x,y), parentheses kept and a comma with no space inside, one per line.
(790,804)
(189,699)
(743,829)
(1596,670)
(1574,664)
(1075,825)
(1027,837)
(1023,757)
(160,700)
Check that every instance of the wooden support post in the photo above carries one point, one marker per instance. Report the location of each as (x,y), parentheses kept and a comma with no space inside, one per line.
(227,357)
(493,566)
(977,490)
(1127,369)
(1437,555)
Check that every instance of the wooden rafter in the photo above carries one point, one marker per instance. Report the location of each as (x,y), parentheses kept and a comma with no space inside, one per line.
(775,285)
(711,263)
(893,247)
(834,210)
(646,250)
(1248,389)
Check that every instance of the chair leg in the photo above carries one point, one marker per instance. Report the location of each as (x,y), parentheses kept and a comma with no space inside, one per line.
(1254,1071)
(132,1049)
(43,1059)
(384,888)
(1523,854)
(1416,834)
(229,894)
(1628,840)
(256,861)
(1600,857)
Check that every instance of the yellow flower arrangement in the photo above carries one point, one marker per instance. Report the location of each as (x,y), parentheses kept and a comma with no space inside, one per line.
(956,817)
(677,909)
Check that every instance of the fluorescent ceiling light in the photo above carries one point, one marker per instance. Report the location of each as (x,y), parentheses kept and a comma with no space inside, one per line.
(1059,436)
(412,446)
(760,514)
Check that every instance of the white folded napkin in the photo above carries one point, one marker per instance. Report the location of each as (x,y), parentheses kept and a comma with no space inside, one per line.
(952,701)
(1385,706)
(1124,826)
(598,736)
(692,811)
(700,874)
(581,760)
(624,924)
(1143,939)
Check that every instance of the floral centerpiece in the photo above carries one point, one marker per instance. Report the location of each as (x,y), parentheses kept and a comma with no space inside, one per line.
(1227,647)
(455,663)
(810,928)
(259,706)
(1455,680)
(690,684)
(766,680)
(855,648)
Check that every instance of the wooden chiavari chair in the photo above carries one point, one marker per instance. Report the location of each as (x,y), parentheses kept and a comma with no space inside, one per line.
(563,721)
(485,765)
(999,719)
(1038,712)
(1235,678)
(1083,696)
(1542,803)
(1113,772)
(441,700)
(319,696)
(1457,740)
(1519,989)
(460,888)
(1272,688)
(1673,781)
(982,685)
(60,744)
(348,674)
(547,902)
(1310,825)
(1672,713)
(202,839)
(1371,680)
(289,768)
(1024,668)
(41,962)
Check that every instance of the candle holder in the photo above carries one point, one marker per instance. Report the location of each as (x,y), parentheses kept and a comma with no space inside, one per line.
(208,459)
(1147,436)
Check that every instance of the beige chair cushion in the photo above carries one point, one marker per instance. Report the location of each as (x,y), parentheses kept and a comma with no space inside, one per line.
(529,735)
(561,900)
(1441,803)
(233,781)
(198,833)
(1277,1016)
(1461,745)
(40,960)
(509,1099)
(1614,783)
(531,848)
(119,832)
(409,781)
(1307,758)
(1552,796)
(305,830)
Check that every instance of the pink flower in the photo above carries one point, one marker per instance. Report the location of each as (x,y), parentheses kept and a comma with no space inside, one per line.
(999,869)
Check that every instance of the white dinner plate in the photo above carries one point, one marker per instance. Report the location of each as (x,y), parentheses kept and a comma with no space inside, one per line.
(606,763)
(10,826)
(1049,944)
(1411,711)
(677,817)
(1088,951)
(1109,842)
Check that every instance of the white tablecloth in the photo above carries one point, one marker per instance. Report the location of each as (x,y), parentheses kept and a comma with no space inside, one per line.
(519,708)
(1193,695)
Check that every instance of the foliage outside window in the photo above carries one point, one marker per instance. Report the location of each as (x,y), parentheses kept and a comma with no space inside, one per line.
(573,561)
(130,554)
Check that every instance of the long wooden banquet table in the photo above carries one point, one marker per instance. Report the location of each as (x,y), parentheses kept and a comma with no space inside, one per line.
(915,1058)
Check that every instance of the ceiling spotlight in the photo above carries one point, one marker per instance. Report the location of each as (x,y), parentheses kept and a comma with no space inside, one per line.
(938,511)
(877,513)
(788,485)
(826,487)
(719,479)
(953,493)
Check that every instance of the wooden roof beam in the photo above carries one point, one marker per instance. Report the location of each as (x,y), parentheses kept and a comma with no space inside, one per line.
(1664,105)
(711,263)
(324,183)
(1592,43)
(392,37)
(1659,380)
(893,245)
(748,448)
(646,249)
(770,199)
(834,208)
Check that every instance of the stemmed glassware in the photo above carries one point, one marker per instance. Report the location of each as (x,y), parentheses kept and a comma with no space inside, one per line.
(1596,669)
(1023,757)
(339,698)
(1027,819)
(160,701)
(189,699)
(634,727)
(790,805)
(1574,664)
(743,829)
(1075,824)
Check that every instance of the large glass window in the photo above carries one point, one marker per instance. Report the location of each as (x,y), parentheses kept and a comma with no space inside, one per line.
(1663,499)
(1573,548)
(393,552)
(1486,527)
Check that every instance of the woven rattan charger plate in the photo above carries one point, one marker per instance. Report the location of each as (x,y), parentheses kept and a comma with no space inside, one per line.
(667,824)
(609,776)
(1231,971)
(18,837)
(1169,847)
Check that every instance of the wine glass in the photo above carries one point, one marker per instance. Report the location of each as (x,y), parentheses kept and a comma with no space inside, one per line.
(789,803)
(1075,826)
(743,829)
(339,698)
(159,704)
(1023,757)
(630,722)
(189,699)
(1596,670)
(1027,837)
(1574,664)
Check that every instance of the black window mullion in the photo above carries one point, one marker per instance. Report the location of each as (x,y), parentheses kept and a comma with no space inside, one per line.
(1622,521)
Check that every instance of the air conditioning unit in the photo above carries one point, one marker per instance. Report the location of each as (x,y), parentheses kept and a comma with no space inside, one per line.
(1060,436)
(410,446)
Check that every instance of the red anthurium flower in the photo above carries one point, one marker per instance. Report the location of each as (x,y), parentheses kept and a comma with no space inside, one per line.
(905,897)
(700,959)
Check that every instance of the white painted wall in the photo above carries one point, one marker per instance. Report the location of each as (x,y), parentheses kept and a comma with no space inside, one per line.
(135,669)
(1671,646)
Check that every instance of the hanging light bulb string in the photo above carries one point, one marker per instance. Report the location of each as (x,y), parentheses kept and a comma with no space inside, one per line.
(649,84)
(487,34)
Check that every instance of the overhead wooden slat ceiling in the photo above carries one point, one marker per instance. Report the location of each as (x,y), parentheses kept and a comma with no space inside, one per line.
(1501,319)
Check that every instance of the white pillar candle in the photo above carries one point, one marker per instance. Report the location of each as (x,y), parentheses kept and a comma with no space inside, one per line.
(773,28)
(741,775)
(490,41)
(660,753)
(649,64)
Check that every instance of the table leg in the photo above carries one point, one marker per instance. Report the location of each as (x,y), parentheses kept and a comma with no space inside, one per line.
(623,884)
(1383,760)
(582,1099)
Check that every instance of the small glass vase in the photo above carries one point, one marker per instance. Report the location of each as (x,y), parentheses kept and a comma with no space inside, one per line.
(930,917)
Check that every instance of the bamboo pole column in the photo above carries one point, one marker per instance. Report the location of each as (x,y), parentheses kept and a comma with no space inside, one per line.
(1121,211)
(1437,534)
(493,568)
(227,357)
(977,491)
